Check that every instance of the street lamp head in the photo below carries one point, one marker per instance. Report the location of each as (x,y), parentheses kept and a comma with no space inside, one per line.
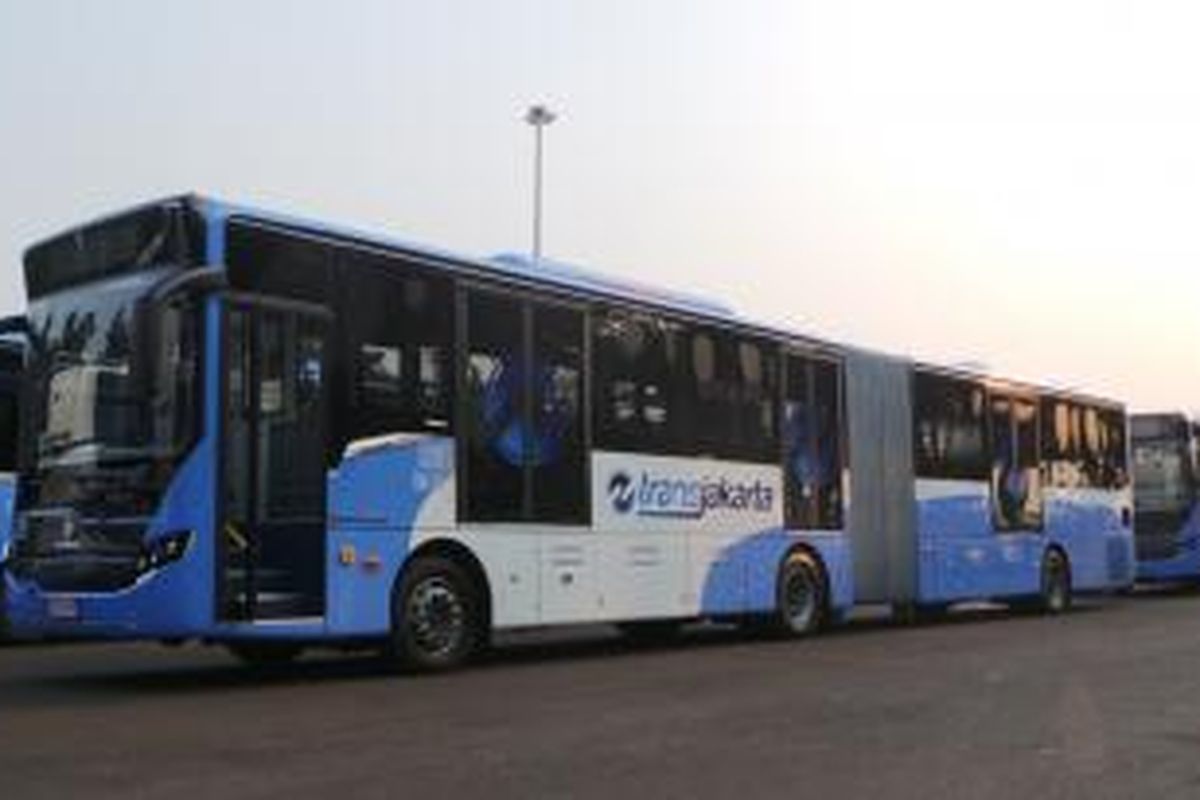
(539,115)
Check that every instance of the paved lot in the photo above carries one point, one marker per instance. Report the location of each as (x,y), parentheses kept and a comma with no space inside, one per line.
(1102,704)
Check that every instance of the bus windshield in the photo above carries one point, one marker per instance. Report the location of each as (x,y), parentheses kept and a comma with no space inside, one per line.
(105,421)
(1163,475)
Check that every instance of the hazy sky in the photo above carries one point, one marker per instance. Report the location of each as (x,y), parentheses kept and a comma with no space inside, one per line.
(1014,183)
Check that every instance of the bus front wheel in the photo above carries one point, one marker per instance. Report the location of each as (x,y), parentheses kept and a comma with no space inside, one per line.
(435,616)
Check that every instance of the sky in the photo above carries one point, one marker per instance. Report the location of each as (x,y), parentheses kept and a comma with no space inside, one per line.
(1009,184)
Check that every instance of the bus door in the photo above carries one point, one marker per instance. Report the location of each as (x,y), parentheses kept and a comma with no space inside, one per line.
(271,557)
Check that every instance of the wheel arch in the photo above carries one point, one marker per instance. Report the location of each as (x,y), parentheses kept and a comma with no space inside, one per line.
(1060,549)
(464,557)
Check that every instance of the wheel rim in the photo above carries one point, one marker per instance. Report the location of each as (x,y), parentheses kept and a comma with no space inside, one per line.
(436,617)
(799,600)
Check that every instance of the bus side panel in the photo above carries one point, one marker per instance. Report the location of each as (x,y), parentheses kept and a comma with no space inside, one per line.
(685,536)
(381,493)
(964,556)
(1087,524)
(961,555)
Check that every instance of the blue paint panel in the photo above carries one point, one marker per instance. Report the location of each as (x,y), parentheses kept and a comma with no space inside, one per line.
(177,600)
(1096,542)
(375,497)
(963,557)
(1185,564)
(744,579)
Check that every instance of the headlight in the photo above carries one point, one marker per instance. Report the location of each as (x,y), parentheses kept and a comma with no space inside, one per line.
(165,549)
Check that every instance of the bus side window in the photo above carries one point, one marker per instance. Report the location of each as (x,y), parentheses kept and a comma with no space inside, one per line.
(799,467)
(812,438)
(706,396)
(1115,458)
(827,408)
(558,453)
(756,402)
(399,323)
(637,361)
(618,343)
(496,398)
(950,428)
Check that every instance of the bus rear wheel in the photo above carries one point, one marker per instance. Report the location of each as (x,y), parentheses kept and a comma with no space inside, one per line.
(436,621)
(800,596)
(1056,594)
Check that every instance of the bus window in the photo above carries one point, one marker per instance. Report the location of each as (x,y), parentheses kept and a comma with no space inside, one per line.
(495,405)
(557,431)
(708,395)
(827,410)
(798,433)
(1017,499)
(756,439)
(1116,453)
(277,263)
(399,326)
(525,447)
(812,434)
(950,428)
(637,362)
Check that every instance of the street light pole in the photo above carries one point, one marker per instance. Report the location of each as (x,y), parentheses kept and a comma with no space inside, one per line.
(539,117)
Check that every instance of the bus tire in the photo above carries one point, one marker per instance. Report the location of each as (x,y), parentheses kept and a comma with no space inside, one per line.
(800,595)
(436,616)
(1055,596)
(264,655)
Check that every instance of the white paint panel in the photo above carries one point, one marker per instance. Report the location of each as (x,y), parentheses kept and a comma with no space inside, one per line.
(667,523)
(946,489)
(570,577)
(644,574)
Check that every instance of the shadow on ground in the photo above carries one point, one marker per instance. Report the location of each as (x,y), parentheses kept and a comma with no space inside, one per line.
(188,670)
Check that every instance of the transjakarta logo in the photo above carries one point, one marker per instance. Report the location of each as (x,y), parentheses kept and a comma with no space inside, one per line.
(685,498)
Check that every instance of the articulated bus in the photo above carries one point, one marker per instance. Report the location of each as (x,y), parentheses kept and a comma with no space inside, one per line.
(1166,469)
(12,355)
(273,434)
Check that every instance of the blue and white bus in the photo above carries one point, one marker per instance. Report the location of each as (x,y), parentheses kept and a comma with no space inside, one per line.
(1166,467)
(274,434)
(12,354)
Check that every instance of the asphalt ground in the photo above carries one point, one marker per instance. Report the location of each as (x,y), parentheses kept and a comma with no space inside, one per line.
(1102,703)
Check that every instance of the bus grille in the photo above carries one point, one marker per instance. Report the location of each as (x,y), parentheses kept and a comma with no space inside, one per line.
(61,553)
(1156,534)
